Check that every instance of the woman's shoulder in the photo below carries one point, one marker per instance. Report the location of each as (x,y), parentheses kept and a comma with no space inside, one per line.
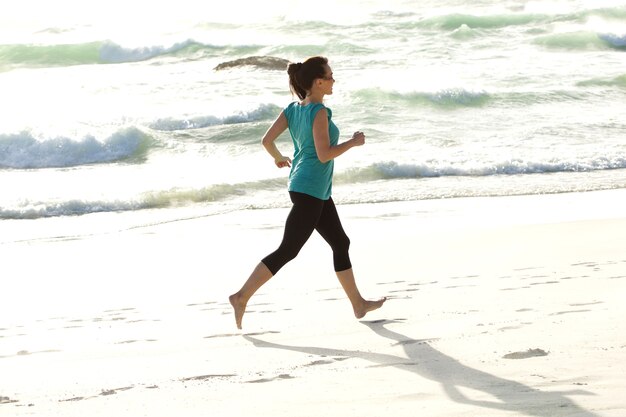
(289,108)
(310,108)
(316,107)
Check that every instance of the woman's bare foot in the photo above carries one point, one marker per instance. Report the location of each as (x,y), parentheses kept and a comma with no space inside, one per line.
(368,306)
(239,306)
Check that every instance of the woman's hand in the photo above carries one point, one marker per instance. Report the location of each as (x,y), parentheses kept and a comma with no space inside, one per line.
(358,138)
(282,162)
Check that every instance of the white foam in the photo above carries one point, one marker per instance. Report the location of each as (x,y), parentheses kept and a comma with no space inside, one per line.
(111,52)
(23,150)
(394,170)
(263,112)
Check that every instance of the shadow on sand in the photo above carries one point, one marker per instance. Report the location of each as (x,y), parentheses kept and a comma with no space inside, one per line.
(427,362)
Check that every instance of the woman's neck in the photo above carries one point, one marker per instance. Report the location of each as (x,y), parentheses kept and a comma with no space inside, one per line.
(313,98)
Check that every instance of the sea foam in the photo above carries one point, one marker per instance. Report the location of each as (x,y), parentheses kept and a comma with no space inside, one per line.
(455,21)
(33,209)
(110,52)
(429,169)
(97,52)
(582,40)
(23,150)
(445,97)
(263,112)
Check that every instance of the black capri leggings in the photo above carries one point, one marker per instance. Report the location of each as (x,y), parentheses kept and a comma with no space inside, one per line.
(307,214)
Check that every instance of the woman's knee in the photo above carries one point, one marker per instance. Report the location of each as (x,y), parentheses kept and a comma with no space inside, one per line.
(342,244)
(289,253)
(280,257)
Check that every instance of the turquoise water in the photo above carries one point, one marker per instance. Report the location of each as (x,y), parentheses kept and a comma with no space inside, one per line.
(116,108)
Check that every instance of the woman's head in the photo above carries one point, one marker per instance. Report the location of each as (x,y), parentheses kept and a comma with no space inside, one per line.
(303,74)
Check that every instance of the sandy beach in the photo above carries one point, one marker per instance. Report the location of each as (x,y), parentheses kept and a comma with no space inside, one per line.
(487,205)
(503,306)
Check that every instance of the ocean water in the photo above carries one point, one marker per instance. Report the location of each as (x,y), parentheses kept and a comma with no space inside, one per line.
(118,107)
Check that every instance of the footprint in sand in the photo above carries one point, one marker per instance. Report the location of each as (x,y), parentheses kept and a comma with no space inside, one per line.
(504,329)
(393,364)
(465,276)
(119,314)
(414,342)
(206,377)
(319,362)
(530,268)
(537,277)
(7,400)
(114,390)
(390,282)
(459,286)
(586,304)
(127,342)
(27,353)
(103,393)
(566,278)
(560,313)
(119,310)
(239,334)
(262,380)
(530,353)
(209,306)
(514,288)
(586,264)
(404,290)
(423,283)
(201,304)
(73,399)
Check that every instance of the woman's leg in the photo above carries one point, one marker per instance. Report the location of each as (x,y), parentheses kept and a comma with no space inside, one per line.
(259,276)
(330,228)
(299,226)
(360,305)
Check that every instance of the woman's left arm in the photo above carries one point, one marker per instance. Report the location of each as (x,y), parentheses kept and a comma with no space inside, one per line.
(275,130)
(326,152)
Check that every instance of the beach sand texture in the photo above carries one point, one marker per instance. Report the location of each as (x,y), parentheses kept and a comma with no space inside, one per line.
(509,306)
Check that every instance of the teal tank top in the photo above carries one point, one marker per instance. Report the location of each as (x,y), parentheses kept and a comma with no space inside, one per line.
(308,174)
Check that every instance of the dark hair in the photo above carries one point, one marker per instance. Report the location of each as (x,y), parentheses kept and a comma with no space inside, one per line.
(302,74)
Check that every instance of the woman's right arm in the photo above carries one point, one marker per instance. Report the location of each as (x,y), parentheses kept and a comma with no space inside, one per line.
(275,130)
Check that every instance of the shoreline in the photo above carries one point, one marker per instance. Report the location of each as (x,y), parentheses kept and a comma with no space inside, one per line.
(118,222)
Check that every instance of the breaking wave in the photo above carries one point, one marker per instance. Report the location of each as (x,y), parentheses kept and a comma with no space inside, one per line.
(582,40)
(99,52)
(151,200)
(263,112)
(431,169)
(23,150)
(448,97)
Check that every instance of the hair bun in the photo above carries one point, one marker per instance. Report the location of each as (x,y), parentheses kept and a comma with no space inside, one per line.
(294,67)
